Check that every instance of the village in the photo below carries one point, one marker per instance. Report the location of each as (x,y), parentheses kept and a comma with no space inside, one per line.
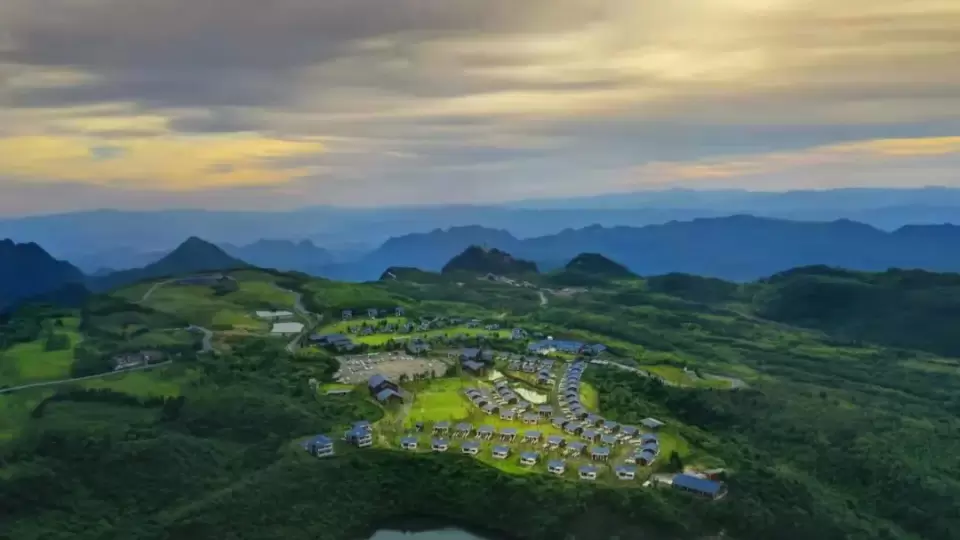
(518,412)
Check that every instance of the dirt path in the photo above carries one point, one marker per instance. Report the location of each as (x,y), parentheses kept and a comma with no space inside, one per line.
(150,291)
(207,344)
(543,298)
(97,376)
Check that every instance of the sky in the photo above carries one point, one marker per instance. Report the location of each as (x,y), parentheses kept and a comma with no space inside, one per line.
(253,104)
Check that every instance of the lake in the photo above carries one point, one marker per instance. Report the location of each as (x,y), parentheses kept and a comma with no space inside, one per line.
(437,534)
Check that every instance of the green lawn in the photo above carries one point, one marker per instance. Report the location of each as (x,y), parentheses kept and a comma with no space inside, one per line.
(374,340)
(200,306)
(160,382)
(15,410)
(29,362)
(441,399)
(589,396)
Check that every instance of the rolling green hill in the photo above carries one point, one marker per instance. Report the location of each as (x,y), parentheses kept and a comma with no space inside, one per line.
(833,413)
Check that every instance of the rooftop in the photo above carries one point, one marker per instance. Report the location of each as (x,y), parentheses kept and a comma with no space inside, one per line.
(701,485)
(287,328)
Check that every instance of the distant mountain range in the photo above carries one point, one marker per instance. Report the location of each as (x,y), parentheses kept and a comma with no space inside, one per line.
(480,260)
(738,248)
(284,255)
(27,271)
(125,239)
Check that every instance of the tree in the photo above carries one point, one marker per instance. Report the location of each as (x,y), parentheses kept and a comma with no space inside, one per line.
(676,464)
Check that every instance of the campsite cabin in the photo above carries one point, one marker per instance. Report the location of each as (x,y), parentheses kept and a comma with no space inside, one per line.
(576,448)
(485,432)
(529,458)
(645,458)
(359,437)
(408,443)
(463,429)
(609,440)
(626,472)
(508,434)
(590,434)
(470,448)
(507,414)
(555,441)
(652,447)
(532,436)
(522,405)
(440,445)
(594,419)
(418,426)
(628,432)
(698,486)
(558,422)
(530,418)
(610,426)
(501,452)
(574,428)
(442,427)
(556,466)
(546,411)
(363,425)
(319,446)
(490,408)
(599,453)
(588,472)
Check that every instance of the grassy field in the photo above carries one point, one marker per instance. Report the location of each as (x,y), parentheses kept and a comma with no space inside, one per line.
(375,340)
(25,363)
(165,381)
(589,397)
(15,410)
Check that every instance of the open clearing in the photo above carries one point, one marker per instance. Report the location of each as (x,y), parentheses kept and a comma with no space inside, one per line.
(25,363)
(359,368)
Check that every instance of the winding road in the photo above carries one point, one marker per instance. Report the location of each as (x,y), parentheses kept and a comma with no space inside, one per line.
(543,298)
(207,343)
(74,379)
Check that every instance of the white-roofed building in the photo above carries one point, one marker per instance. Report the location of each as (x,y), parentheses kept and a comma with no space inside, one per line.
(274,315)
(286,328)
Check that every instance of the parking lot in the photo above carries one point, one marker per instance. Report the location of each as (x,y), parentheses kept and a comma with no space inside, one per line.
(358,368)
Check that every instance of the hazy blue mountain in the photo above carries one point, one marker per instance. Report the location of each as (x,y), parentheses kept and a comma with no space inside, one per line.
(192,256)
(482,260)
(735,248)
(27,271)
(123,239)
(285,255)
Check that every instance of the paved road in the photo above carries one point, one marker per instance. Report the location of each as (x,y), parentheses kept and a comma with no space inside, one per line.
(156,286)
(310,318)
(207,337)
(543,298)
(97,376)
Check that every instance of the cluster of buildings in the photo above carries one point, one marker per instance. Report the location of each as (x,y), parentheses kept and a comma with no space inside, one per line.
(550,346)
(360,435)
(384,390)
(543,367)
(137,359)
(373,313)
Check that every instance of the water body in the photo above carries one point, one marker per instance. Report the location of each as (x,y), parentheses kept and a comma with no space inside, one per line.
(436,534)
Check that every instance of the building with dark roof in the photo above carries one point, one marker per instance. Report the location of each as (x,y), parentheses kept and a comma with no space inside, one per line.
(590,434)
(508,434)
(645,457)
(588,472)
(529,458)
(440,445)
(626,472)
(698,486)
(609,440)
(463,429)
(600,453)
(573,428)
(556,466)
(507,414)
(319,446)
(485,431)
(628,432)
(530,418)
(409,443)
(490,408)
(359,437)
(532,436)
(470,448)
(388,395)
(545,410)
(558,421)
(575,448)
(378,383)
(555,441)
(501,452)
(474,367)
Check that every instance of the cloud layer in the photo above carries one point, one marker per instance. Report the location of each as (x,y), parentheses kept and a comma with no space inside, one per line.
(370,102)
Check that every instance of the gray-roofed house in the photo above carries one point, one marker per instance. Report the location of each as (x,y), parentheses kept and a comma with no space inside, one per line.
(645,457)
(417,346)
(545,411)
(471,448)
(610,426)
(319,446)
(575,448)
(523,405)
(647,438)
(651,447)
(485,432)
(558,421)
(588,472)
(628,432)
(652,423)
(359,437)
(469,354)
(532,436)
(378,383)
(573,428)
(626,472)
(474,367)
(363,424)
(508,434)
(442,427)
(698,486)
(529,458)
(440,445)
(490,408)
(409,443)
(388,395)
(594,419)
(346,314)
(501,452)
(609,440)
(373,313)
(530,418)
(555,441)
(600,453)
(463,429)
(556,466)
(507,414)
(590,434)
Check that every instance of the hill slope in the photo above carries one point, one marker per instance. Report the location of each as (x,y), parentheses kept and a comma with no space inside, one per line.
(193,255)
(26,271)
(479,260)
(285,255)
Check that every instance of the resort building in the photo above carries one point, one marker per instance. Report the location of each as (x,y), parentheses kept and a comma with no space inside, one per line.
(508,434)
(556,466)
(530,418)
(485,432)
(575,448)
(626,472)
(532,436)
(555,441)
(599,453)
(698,486)
(463,429)
(319,446)
(409,443)
(501,452)
(440,445)
(529,458)
(471,448)
(588,472)
(359,437)
(442,427)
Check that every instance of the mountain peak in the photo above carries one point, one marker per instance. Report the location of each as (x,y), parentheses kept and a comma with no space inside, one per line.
(27,271)
(194,255)
(483,260)
(597,264)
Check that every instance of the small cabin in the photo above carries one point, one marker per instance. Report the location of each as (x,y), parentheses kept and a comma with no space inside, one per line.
(532,436)
(556,466)
(470,448)
(626,472)
(485,432)
(463,429)
(359,437)
(529,458)
(501,452)
(609,440)
(441,427)
(440,445)
(599,453)
(530,418)
(319,446)
(555,441)
(508,434)
(409,443)
(576,448)
(588,472)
